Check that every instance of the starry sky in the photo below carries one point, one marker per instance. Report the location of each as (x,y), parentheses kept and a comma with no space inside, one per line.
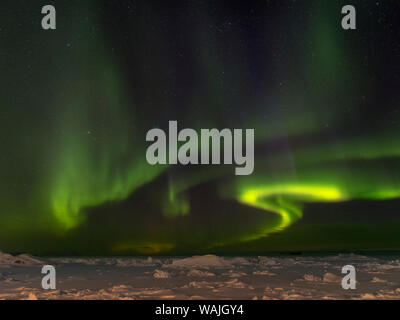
(76,103)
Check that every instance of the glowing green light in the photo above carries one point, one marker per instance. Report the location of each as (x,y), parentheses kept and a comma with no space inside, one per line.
(280,199)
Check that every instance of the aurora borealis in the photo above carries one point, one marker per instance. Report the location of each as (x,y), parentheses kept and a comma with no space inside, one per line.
(76,103)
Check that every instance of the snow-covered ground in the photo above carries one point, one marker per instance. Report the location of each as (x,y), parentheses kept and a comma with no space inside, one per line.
(200,277)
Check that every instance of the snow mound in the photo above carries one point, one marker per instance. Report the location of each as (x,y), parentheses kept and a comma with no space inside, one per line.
(199,273)
(206,261)
(330,277)
(312,278)
(22,259)
(267,261)
(367,296)
(160,274)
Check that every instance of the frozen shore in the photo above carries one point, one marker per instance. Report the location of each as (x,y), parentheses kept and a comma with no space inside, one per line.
(200,277)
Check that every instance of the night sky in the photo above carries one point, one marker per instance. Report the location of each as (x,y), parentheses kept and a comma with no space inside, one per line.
(76,103)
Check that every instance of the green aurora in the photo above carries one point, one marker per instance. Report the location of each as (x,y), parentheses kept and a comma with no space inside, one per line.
(76,104)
